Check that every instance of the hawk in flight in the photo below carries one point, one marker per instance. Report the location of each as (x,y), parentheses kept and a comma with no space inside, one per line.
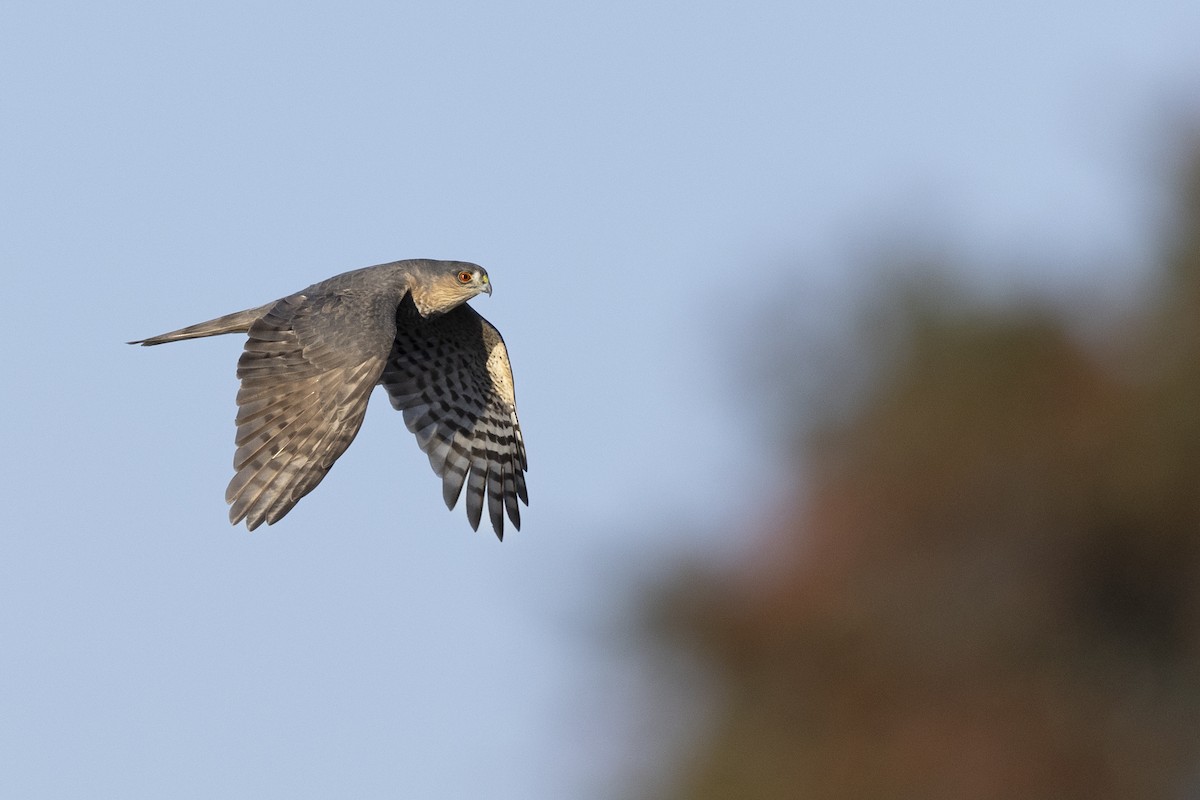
(312,358)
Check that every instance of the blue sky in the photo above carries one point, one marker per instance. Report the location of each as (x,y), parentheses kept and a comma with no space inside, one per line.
(641,180)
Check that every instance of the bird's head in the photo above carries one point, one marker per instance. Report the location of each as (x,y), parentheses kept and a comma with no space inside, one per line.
(447,285)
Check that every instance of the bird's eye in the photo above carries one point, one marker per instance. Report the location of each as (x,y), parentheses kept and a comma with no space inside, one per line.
(464,277)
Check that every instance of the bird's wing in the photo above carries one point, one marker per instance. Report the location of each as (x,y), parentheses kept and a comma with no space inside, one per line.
(307,371)
(451,377)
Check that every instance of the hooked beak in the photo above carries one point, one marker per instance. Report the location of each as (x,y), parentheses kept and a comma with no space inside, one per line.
(487,287)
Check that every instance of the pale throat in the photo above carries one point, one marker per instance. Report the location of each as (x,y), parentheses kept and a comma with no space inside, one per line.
(434,300)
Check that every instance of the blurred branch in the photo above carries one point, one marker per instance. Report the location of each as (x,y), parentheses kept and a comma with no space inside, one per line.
(991,588)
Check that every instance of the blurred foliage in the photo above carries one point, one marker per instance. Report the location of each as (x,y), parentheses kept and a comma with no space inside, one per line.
(989,586)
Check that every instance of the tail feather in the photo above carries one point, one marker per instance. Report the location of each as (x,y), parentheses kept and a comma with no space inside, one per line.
(237,322)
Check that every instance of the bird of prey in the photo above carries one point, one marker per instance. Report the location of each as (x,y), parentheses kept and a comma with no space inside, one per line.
(313,357)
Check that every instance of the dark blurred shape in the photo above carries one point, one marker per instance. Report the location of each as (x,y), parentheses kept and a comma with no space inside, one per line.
(990,587)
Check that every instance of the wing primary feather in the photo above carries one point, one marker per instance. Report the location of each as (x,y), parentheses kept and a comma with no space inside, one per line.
(476,483)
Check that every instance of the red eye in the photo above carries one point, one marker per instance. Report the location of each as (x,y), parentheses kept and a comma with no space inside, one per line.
(464,277)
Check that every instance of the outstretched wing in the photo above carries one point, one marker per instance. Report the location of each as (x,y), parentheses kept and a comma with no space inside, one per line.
(307,371)
(451,377)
